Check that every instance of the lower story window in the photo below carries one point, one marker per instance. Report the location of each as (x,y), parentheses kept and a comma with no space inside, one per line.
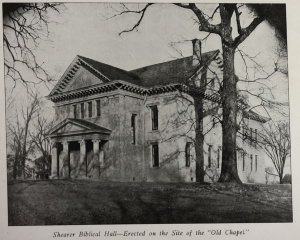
(209,155)
(188,154)
(219,156)
(243,157)
(256,163)
(155,155)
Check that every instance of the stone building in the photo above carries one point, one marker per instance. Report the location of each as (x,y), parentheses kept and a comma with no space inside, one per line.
(139,125)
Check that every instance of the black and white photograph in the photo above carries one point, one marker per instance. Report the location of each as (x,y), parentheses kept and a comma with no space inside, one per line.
(133,114)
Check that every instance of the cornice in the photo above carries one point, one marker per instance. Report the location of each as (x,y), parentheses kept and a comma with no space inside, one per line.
(122,87)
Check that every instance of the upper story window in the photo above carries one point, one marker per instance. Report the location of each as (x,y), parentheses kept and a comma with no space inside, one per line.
(133,128)
(155,155)
(90,109)
(244,133)
(75,111)
(82,110)
(212,83)
(255,137)
(188,154)
(98,107)
(154,117)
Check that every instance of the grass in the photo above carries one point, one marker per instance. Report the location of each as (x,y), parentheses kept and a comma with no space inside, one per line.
(79,202)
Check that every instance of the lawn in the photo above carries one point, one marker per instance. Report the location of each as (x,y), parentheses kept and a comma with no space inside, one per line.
(78,202)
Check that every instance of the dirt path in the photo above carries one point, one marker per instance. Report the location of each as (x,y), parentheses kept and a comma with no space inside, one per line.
(67,202)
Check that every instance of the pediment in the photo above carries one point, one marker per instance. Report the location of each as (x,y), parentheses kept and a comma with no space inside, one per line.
(82,78)
(71,126)
(78,75)
(67,127)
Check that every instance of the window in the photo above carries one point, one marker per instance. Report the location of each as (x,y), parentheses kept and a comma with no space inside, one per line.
(133,129)
(90,109)
(219,156)
(98,107)
(255,163)
(212,84)
(82,110)
(255,136)
(244,133)
(74,111)
(154,117)
(209,155)
(155,155)
(188,154)
(243,156)
(251,162)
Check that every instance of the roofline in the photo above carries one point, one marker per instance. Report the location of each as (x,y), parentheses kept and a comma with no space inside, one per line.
(217,51)
(70,72)
(74,61)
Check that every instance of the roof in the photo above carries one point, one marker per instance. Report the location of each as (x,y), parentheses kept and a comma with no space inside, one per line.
(171,71)
(158,74)
(111,72)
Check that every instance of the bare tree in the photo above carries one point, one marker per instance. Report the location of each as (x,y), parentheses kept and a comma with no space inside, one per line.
(20,140)
(42,144)
(25,26)
(276,142)
(269,172)
(228,91)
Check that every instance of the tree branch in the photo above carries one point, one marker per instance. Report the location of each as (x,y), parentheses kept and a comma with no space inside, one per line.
(245,32)
(142,12)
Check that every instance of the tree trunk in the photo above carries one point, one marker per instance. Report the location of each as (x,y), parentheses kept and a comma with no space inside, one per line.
(229,101)
(280,178)
(15,169)
(199,139)
(23,174)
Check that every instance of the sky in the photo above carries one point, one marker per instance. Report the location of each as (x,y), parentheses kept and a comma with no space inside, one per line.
(84,29)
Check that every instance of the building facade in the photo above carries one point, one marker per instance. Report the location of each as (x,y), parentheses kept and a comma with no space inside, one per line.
(139,125)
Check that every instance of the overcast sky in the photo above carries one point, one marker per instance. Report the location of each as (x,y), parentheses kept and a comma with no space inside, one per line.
(82,29)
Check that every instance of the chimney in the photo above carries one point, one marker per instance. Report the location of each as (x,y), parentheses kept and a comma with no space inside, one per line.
(196,52)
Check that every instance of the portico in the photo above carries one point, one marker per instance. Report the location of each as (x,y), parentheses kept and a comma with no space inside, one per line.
(77,149)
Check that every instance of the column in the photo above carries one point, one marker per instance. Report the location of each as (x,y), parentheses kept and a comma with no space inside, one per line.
(96,146)
(82,162)
(53,160)
(96,169)
(64,161)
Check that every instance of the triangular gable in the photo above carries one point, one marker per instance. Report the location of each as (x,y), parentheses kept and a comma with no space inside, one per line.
(77,126)
(79,74)
(82,78)
(67,125)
